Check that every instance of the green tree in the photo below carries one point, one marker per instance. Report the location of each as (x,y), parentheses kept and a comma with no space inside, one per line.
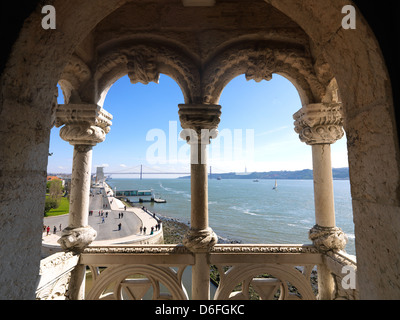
(50,204)
(56,191)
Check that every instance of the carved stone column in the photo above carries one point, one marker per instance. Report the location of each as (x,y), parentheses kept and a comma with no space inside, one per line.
(85,125)
(320,125)
(200,124)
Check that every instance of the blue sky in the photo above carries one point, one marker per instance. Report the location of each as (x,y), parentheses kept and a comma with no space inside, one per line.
(256,130)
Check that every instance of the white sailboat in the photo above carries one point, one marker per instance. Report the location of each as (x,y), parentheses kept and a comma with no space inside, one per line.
(276,185)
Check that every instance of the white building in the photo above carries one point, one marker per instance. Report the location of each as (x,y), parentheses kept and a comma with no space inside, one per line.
(100,175)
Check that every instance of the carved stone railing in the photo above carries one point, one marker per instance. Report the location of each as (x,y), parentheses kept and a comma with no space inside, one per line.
(54,276)
(128,272)
(156,272)
(268,272)
(282,271)
(344,270)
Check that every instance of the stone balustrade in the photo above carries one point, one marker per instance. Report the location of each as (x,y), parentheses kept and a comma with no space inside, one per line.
(245,272)
(54,276)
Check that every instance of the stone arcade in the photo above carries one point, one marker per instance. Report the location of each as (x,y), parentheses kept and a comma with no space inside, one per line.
(343,84)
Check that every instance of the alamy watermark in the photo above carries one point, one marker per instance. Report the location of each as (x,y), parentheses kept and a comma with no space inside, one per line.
(349,278)
(227,145)
(49,20)
(349,21)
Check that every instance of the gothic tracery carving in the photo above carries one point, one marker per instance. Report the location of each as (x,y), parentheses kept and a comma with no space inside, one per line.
(75,74)
(55,272)
(279,283)
(127,285)
(261,66)
(144,62)
(258,61)
(142,69)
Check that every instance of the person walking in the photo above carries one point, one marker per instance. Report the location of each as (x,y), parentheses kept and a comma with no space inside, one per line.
(119,226)
(48,230)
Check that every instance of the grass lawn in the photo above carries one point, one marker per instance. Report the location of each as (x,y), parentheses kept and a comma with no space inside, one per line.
(62,209)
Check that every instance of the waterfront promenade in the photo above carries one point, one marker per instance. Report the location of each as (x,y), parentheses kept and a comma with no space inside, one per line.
(113,222)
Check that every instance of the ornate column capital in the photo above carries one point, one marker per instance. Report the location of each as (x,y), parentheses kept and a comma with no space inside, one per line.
(199,241)
(199,116)
(320,123)
(199,122)
(328,238)
(84,124)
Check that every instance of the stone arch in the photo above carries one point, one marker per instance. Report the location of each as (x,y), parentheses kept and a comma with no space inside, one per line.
(157,275)
(365,88)
(143,62)
(39,57)
(27,103)
(258,60)
(282,273)
(75,74)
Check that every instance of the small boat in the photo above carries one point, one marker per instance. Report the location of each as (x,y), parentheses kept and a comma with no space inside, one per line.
(275,186)
(219,178)
(256,180)
(159,200)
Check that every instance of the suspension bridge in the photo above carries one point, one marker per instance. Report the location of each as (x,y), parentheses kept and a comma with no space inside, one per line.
(142,170)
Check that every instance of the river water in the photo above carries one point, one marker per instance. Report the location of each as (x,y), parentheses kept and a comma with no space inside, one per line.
(248,211)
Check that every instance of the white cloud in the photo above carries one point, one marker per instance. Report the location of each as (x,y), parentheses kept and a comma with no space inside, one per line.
(104,165)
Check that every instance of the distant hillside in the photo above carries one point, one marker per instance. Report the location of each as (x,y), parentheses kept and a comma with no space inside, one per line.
(307,174)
